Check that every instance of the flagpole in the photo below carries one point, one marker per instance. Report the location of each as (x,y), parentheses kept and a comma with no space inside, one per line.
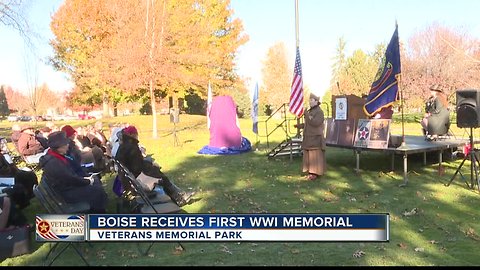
(297,43)
(296,24)
(255,104)
(258,103)
(403,121)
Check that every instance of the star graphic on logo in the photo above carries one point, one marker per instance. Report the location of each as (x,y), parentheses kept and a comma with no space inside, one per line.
(43,227)
(363,133)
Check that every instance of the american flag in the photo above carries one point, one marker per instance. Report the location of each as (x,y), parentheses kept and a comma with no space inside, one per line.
(296,93)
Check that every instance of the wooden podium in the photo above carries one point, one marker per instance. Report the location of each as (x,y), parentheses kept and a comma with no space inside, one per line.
(354,107)
(341,128)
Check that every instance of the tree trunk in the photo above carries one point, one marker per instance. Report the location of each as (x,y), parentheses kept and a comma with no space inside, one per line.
(105,110)
(115,109)
(154,110)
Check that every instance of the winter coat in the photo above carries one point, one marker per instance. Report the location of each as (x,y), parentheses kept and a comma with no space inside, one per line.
(439,119)
(61,174)
(28,145)
(129,155)
(70,184)
(313,136)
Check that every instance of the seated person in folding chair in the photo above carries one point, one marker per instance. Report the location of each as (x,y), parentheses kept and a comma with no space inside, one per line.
(436,121)
(5,207)
(130,155)
(16,132)
(29,147)
(97,141)
(97,137)
(42,134)
(114,140)
(72,184)
(85,156)
(22,190)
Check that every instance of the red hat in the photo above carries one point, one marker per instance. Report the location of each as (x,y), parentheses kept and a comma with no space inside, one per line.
(130,130)
(69,130)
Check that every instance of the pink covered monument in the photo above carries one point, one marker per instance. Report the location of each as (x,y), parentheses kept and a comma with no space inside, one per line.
(225,135)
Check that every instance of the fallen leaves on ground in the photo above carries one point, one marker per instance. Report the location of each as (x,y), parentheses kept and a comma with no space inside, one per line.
(358,254)
(470,232)
(226,250)
(412,212)
(101,254)
(178,250)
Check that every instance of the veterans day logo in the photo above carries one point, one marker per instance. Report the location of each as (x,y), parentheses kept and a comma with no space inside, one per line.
(60,228)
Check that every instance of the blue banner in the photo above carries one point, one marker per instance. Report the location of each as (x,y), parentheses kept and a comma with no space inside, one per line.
(239,221)
(384,90)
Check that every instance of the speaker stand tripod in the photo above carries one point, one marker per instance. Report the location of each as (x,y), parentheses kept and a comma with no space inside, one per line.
(175,138)
(474,166)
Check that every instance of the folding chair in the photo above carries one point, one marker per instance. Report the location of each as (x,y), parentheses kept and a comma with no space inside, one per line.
(54,204)
(145,203)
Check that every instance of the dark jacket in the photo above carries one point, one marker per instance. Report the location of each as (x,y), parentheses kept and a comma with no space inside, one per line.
(43,141)
(28,145)
(60,173)
(129,154)
(71,185)
(84,140)
(95,140)
(439,119)
(22,191)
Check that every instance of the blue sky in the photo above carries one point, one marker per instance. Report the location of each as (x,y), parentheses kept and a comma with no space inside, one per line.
(362,23)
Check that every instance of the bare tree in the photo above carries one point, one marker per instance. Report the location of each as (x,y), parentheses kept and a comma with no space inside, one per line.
(12,14)
(277,77)
(439,55)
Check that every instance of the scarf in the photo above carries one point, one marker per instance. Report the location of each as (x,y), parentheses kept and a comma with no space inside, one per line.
(57,155)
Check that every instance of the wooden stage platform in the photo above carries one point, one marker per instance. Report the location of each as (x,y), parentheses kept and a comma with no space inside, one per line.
(413,145)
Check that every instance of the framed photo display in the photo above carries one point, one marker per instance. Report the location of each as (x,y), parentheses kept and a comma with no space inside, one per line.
(372,133)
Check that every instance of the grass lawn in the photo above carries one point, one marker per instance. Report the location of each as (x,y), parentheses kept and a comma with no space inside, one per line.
(445,230)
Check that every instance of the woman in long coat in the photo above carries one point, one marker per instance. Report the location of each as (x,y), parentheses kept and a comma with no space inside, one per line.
(313,144)
(437,117)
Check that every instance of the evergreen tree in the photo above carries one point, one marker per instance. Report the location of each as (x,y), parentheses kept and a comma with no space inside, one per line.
(4,110)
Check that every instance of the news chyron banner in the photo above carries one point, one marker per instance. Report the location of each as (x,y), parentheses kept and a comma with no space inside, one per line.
(239,227)
(214,227)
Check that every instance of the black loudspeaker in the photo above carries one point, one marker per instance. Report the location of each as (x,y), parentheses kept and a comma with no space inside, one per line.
(468,108)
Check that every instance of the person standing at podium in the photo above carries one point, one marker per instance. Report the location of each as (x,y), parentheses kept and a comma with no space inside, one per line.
(313,144)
